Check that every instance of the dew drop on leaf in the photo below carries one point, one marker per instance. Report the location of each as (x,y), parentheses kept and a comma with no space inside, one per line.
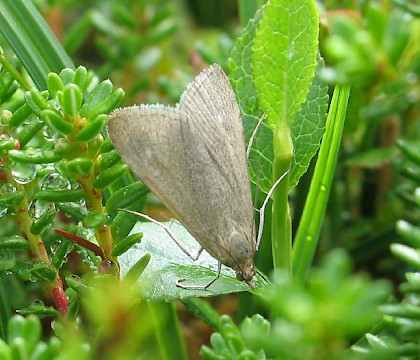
(55,181)
(23,173)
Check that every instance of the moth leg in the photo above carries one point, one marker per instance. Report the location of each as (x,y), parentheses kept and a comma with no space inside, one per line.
(194,257)
(254,133)
(200,287)
(262,209)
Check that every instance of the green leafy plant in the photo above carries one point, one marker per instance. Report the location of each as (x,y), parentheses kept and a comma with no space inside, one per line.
(79,260)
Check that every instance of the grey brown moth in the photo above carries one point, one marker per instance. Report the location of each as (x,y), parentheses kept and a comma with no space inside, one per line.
(193,158)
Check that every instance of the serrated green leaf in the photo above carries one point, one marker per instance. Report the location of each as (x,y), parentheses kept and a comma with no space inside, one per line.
(240,64)
(307,127)
(284,58)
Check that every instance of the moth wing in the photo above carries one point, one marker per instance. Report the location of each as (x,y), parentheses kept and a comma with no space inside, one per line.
(149,139)
(210,103)
(193,158)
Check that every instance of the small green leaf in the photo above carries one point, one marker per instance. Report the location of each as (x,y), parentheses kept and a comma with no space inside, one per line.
(7,259)
(20,115)
(60,253)
(109,159)
(110,175)
(13,198)
(410,149)
(36,101)
(13,242)
(92,128)
(406,253)
(99,94)
(56,121)
(43,272)
(29,131)
(34,156)
(40,224)
(126,196)
(72,209)
(54,84)
(71,100)
(67,76)
(60,195)
(110,103)
(76,284)
(95,219)
(15,328)
(123,245)
(80,77)
(137,269)
(32,332)
(38,310)
(106,146)
(7,144)
(410,233)
(78,166)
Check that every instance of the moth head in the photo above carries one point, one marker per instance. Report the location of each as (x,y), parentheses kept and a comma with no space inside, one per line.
(241,257)
(247,274)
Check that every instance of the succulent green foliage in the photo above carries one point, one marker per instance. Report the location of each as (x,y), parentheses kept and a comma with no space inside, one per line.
(316,322)
(127,36)
(54,158)
(382,46)
(24,341)
(399,339)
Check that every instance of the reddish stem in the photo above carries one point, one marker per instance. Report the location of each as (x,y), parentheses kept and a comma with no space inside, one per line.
(60,298)
(82,242)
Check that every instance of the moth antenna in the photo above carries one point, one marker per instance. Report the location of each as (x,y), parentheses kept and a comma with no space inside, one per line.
(262,275)
(168,231)
(262,209)
(254,133)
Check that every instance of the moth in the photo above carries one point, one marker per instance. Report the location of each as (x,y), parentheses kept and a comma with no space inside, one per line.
(193,157)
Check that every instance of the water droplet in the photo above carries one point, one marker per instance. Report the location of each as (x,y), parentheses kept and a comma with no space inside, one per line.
(54,246)
(3,211)
(23,173)
(37,302)
(7,188)
(39,207)
(32,278)
(48,134)
(55,181)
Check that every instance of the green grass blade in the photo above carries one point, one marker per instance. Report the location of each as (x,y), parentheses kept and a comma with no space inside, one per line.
(307,236)
(168,331)
(32,40)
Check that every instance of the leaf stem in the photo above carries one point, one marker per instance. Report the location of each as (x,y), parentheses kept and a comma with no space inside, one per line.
(307,236)
(281,224)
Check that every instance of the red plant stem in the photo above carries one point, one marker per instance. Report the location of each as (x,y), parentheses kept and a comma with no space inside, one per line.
(60,298)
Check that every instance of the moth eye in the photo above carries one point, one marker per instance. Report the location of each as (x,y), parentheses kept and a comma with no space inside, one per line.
(240,276)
